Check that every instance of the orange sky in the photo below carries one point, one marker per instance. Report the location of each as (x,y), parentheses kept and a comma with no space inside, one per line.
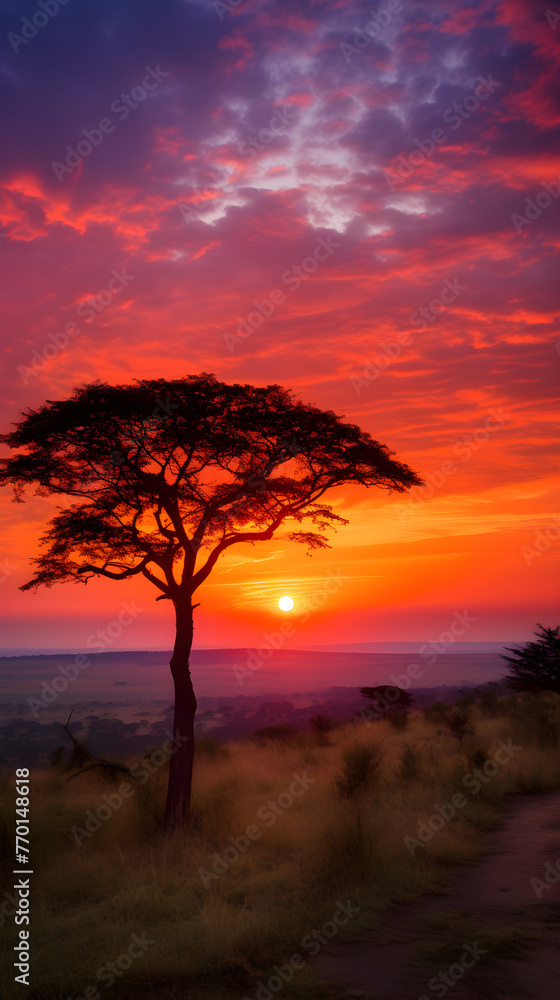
(204,215)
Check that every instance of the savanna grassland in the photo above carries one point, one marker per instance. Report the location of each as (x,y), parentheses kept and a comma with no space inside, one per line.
(293,842)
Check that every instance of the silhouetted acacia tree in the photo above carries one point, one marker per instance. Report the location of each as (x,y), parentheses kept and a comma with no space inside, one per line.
(386,700)
(536,665)
(170,475)
(457,721)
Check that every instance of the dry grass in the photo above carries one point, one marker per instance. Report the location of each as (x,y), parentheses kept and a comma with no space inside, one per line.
(342,839)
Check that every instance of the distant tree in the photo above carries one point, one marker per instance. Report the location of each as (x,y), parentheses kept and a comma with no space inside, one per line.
(536,665)
(168,475)
(386,700)
(457,721)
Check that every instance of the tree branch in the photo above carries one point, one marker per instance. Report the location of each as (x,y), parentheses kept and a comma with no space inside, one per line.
(101,571)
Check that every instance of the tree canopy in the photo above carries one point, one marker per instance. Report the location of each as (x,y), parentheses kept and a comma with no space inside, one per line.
(536,665)
(387,699)
(165,469)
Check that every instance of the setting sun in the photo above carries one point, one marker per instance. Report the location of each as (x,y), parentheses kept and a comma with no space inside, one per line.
(285,603)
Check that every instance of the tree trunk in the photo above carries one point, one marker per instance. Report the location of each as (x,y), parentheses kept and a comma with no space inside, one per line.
(181,764)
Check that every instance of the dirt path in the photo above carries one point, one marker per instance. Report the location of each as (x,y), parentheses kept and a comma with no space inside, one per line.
(497,889)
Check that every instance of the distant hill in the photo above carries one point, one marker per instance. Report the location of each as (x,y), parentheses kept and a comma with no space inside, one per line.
(238,671)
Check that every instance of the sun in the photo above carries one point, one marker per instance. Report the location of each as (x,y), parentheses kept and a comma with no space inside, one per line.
(285,603)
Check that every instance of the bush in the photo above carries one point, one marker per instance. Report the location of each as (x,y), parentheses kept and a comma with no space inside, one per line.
(537,719)
(80,754)
(477,756)
(360,762)
(436,712)
(322,726)
(398,720)
(410,764)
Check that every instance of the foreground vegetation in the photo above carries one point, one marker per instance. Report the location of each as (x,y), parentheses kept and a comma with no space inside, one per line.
(284,833)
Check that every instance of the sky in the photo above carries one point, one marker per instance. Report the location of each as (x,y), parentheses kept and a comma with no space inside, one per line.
(359,203)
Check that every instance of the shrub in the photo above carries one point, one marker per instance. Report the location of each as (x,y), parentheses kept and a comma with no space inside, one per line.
(537,719)
(322,726)
(360,762)
(436,712)
(398,720)
(477,756)
(410,763)
(80,754)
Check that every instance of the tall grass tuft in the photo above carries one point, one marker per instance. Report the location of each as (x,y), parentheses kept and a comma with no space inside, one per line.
(409,767)
(361,761)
